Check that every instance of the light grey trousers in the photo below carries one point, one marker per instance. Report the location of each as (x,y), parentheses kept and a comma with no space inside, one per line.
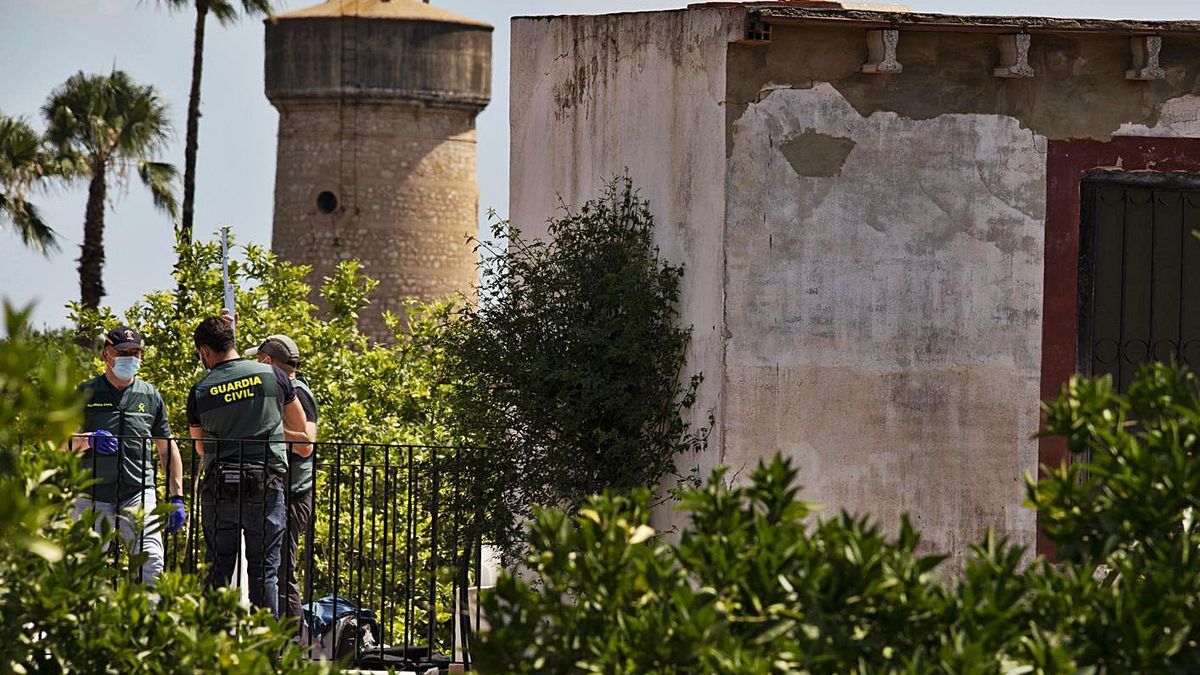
(137,540)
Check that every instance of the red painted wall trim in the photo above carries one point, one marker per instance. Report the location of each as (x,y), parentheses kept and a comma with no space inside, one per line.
(1066,162)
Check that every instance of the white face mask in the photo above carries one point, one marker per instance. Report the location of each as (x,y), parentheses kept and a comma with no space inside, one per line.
(126,367)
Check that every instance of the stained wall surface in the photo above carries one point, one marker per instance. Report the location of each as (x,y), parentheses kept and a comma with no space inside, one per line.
(885,243)
(885,312)
(594,97)
(881,255)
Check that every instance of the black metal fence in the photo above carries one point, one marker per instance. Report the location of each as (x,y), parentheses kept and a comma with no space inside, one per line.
(391,538)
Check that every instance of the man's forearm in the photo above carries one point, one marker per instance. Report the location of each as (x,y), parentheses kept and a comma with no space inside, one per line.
(197,434)
(172,462)
(297,436)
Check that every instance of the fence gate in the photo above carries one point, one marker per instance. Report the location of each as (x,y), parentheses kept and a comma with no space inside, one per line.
(1139,272)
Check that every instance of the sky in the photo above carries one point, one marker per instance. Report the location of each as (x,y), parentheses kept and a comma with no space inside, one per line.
(42,42)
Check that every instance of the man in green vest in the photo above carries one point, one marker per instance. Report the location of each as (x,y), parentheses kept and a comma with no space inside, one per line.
(237,414)
(124,416)
(281,351)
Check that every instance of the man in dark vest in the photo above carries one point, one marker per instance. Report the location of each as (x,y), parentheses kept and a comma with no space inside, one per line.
(236,414)
(281,351)
(124,416)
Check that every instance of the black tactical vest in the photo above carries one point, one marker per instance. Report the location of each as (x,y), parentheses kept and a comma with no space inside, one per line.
(301,478)
(237,403)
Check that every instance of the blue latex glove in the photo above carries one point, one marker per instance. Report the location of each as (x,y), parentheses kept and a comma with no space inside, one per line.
(178,515)
(102,442)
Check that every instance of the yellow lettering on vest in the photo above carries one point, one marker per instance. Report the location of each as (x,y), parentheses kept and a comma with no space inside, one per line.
(238,395)
(236,386)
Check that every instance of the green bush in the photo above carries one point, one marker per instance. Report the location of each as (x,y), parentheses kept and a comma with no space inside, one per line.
(570,369)
(756,586)
(64,608)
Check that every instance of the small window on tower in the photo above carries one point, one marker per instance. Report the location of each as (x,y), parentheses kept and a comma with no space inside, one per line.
(327,202)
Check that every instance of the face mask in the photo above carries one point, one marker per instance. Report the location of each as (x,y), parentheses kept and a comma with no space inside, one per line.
(126,367)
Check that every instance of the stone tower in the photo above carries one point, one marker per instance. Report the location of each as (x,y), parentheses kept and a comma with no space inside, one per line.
(376,158)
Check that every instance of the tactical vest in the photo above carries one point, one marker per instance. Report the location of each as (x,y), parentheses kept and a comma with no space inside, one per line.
(130,413)
(237,403)
(301,478)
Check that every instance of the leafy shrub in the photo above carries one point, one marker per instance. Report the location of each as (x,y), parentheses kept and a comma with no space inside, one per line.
(754,586)
(63,606)
(569,368)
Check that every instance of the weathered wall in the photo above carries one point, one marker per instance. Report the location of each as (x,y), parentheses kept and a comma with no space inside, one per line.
(407,195)
(416,60)
(593,97)
(1079,90)
(865,253)
(885,244)
(884,310)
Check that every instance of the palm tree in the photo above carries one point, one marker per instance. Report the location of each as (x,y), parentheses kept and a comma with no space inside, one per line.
(22,165)
(108,125)
(226,13)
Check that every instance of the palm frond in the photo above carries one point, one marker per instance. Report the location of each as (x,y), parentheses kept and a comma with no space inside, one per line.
(74,110)
(110,121)
(160,178)
(224,10)
(259,7)
(30,227)
(20,148)
(68,165)
(23,165)
(227,13)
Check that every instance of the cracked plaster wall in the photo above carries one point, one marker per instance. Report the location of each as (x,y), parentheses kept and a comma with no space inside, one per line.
(885,319)
(864,254)
(885,313)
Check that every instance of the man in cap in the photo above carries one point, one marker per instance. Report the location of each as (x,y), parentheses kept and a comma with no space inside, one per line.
(281,351)
(237,414)
(123,417)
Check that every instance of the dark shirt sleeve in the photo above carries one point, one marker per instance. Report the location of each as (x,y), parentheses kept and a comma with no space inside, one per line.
(309,405)
(161,428)
(193,418)
(287,391)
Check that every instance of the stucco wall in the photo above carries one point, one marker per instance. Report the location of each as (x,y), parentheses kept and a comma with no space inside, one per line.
(593,97)
(875,274)
(885,244)
(884,313)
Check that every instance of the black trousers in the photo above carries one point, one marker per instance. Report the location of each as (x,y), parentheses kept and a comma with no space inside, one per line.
(250,503)
(299,513)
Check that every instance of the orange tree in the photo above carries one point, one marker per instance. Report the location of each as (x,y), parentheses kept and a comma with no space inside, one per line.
(370,394)
(757,585)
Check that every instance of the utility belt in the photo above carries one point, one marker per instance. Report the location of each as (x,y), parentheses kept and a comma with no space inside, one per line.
(227,481)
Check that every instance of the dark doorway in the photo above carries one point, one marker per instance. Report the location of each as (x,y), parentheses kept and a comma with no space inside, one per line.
(1139,272)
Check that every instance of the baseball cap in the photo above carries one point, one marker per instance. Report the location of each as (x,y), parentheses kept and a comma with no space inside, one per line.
(123,337)
(280,348)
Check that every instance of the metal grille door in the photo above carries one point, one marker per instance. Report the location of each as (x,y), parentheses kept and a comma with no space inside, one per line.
(1139,290)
